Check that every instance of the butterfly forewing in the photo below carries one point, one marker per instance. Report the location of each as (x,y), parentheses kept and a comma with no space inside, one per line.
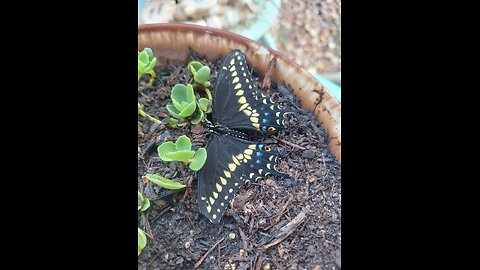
(238,104)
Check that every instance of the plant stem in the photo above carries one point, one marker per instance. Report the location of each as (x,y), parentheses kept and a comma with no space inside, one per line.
(153,76)
(144,114)
(209,95)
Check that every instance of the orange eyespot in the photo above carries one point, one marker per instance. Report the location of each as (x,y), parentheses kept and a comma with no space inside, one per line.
(266,148)
(270,129)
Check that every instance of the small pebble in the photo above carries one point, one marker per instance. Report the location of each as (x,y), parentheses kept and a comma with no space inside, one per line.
(231,235)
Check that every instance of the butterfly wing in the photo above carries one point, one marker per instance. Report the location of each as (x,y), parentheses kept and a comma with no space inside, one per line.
(231,162)
(237,103)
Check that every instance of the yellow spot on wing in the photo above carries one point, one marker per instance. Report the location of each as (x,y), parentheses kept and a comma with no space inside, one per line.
(247,80)
(240,156)
(277,114)
(270,158)
(224,182)
(214,216)
(224,68)
(219,188)
(244,106)
(235,80)
(237,86)
(264,101)
(215,195)
(268,166)
(230,190)
(235,160)
(242,100)
(252,146)
(227,174)
(234,73)
(232,166)
(232,68)
(256,125)
(232,61)
(251,175)
(254,119)
(203,198)
(226,198)
(209,208)
(211,200)
(278,121)
(260,171)
(255,114)
(248,157)
(239,93)
(250,87)
(248,151)
(247,112)
(218,210)
(222,204)
(272,107)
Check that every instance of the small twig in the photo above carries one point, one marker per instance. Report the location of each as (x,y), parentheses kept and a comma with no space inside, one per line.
(244,239)
(218,260)
(286,230)
(284,208)
(259,261)
(197,264)
(296,146)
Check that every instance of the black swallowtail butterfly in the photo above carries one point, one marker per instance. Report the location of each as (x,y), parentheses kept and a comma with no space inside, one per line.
(232,159)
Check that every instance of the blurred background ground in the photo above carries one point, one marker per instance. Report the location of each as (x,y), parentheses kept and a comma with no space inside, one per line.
(307,31)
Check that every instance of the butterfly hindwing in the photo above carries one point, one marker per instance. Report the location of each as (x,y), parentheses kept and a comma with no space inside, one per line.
(231,162)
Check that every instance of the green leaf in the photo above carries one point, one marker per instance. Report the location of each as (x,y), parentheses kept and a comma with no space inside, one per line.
(190,94)
(143,57)
(172,122)
(203,104)
(199,116)
(142,241)
(173,111)
(179,95)
(164,182)
(181,155)
(194,66)
(164,149)
(189,110)
(202,75)
(183,143)
(152,64)
(145,205)
(149,53)
(199,159)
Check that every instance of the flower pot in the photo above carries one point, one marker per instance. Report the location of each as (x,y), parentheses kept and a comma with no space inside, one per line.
(171,43)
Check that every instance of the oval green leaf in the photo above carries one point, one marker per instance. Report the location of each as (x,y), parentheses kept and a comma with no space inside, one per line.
(199,159)
(164,149)
(152,64)
(173,111)
(179,95)
(194,66)
(149,53)
(203,104)
(181,155)
(202,75)
(189,110)
(164,182)
(172,122)
(143,56)
(183,143)
(145,205)
(190,94)
(199,116)
(142,240)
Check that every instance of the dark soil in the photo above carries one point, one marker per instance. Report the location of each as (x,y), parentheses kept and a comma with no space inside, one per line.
(276,223)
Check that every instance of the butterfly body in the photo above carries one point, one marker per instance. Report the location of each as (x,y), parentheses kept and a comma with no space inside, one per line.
(232,158)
